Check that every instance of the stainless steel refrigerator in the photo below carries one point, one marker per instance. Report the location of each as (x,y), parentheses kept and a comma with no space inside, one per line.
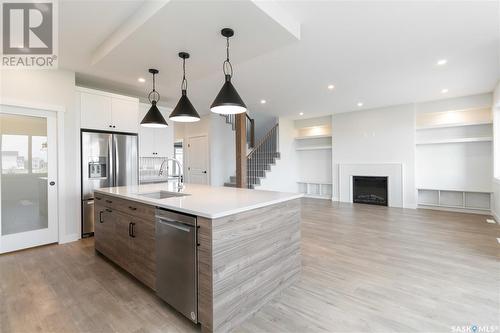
(108,160)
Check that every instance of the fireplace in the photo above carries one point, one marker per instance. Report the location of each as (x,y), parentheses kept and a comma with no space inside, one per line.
(370,190)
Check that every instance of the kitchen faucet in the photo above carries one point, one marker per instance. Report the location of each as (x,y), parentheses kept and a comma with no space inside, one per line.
(180,183)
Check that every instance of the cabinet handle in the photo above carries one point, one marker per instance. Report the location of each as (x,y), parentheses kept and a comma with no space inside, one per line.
(109,201)
(110,126)
(97,198)
(109,210)
(132,208)
(131,229)
(100,217)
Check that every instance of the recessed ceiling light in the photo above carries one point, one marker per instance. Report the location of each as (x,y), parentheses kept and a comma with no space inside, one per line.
(444,91)
(141,80)
(360,104)
(301,114)
(331,87)
(442,62)
(263,101)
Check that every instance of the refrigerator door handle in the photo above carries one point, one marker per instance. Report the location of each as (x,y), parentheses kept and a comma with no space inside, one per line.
(111,161)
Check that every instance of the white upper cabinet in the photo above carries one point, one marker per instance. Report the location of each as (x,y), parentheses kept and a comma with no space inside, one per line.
(95,111)
(124,115)
(108,112)
(155,142)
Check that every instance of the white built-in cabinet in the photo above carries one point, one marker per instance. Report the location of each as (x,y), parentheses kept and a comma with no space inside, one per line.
(454,160)
(313,143)
(100,110)
(155,142)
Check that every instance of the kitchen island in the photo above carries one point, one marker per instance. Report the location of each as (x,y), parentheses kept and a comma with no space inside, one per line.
(247,247)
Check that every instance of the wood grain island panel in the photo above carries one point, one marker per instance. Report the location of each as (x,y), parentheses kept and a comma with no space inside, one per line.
(254,256)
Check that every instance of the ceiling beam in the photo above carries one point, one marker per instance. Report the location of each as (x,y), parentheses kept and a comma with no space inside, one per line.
(131,24)
(278,14)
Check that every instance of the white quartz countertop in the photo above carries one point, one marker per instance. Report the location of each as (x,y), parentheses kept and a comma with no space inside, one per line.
(202,200)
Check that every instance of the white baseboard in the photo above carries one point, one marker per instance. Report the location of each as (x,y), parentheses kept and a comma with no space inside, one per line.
(410,206)
(69,238)
(495,216)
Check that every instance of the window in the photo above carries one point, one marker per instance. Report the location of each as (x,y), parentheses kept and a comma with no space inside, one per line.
(39,154)
(178,155)
(15,154)
(22,154)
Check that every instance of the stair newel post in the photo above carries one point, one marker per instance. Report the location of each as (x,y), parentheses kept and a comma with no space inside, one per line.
(241,151)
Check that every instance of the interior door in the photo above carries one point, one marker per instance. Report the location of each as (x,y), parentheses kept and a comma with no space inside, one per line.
(28,189)
(197,156)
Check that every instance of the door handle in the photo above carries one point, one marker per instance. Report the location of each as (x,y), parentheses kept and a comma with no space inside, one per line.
(52,183)
(174,224)
(131,231)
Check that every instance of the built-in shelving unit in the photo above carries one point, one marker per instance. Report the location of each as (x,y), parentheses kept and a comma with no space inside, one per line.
(315,148)
(313,137)
(454,199)
(315,189)
(453,160)
(313,143)
(459,140)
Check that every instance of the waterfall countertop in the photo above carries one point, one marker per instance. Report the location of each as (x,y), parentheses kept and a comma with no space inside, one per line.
(201,200)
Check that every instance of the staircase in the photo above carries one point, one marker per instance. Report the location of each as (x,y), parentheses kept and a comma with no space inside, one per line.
(250,126)
(261,156)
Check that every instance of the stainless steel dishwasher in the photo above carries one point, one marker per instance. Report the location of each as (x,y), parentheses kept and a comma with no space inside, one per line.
(176,261)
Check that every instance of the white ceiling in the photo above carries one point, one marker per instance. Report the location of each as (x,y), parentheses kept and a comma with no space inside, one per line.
(378,52)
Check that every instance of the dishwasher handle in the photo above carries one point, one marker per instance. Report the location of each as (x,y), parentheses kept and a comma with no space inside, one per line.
(174,224)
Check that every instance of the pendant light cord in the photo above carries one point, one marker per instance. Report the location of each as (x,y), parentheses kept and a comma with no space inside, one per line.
(184,83)
(227,68)
(154,92)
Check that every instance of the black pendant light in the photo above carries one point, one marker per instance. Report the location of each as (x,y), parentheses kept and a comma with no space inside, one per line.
(154,118)
(228,101)
(184,111)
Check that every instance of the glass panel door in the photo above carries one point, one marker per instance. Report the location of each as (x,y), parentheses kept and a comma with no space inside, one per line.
(28,194)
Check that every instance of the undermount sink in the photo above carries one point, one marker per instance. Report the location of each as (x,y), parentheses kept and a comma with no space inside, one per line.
(162,195)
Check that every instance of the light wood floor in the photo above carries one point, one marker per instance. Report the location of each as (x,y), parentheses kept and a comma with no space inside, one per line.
(365,269)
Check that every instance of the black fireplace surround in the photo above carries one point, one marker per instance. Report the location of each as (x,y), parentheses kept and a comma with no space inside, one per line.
(370,190)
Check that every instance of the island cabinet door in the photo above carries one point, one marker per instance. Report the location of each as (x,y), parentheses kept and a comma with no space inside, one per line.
(123,239)
(143,251)
(104,231)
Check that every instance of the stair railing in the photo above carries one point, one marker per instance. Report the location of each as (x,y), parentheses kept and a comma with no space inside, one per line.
(262,156)
(250,126)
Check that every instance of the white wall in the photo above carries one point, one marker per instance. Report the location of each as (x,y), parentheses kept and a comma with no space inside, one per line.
(221,141)
(57,88)
(284,175)
(459,103)
(263,123)
(496,149)
(222,151)
(384,135)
